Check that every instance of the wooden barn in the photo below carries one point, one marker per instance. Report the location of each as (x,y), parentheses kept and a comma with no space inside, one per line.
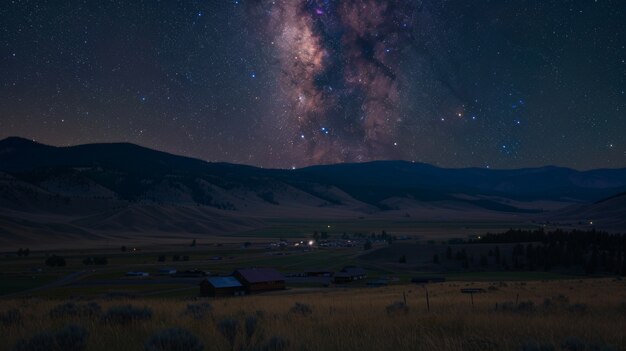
(260,279)
(349,274)
(221,286)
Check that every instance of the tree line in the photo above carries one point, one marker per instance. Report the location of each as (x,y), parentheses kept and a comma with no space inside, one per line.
(593,251)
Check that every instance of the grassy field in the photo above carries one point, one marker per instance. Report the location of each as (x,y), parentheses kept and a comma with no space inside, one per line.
(519,310)
(556,315)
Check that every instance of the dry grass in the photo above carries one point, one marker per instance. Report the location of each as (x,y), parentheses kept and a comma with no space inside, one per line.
(357,319)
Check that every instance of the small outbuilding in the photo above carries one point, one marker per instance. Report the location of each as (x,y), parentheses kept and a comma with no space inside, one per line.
(137,274)
(318,273)
(221,286)
(349,274)
(167,271)
(260,279)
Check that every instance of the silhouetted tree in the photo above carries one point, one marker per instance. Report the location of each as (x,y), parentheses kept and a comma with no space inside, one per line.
(367,245)
(55,261)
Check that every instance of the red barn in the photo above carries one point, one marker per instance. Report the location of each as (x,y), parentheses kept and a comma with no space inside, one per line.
(260,279)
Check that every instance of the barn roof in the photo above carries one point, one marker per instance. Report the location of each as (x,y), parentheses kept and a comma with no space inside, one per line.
(224,282)
(258,275)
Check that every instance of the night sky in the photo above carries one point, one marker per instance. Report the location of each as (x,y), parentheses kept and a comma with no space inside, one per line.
(290,83)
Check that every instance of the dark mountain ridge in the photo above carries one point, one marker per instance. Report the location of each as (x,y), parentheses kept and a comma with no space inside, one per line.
(375,180)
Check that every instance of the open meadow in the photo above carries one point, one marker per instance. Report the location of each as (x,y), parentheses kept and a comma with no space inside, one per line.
(588,314)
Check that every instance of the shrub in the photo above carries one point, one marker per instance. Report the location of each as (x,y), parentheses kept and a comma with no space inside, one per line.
(302,309)
(100,260)
(479,344)
(578,308)
(173,339)
(601,347)
(71,309)
(229,328)
(43,341)
(68,338)
(572,343)
(397,307)
(251,324)
(68,309)
(198,310)
(10,317)
(276,343)
(526,306)
(55,261)
(561,299)
(125,314)
(535,346)
(507,306)
(72,337)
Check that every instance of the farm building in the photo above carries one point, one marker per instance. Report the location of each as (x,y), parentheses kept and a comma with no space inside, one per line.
(260,279)
(221,286)
(348,274)
(318,273)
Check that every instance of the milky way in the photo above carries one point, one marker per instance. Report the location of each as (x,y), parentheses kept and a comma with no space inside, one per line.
(339,73)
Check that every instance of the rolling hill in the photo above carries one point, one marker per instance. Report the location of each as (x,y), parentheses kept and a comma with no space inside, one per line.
(97,190)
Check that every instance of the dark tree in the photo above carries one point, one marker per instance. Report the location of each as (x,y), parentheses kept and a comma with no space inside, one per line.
(55,261)
(367,245)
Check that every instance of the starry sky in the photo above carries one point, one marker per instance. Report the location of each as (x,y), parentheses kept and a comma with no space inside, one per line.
(291,83)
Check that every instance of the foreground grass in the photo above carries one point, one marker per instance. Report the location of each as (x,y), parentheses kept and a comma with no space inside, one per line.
(593,316)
